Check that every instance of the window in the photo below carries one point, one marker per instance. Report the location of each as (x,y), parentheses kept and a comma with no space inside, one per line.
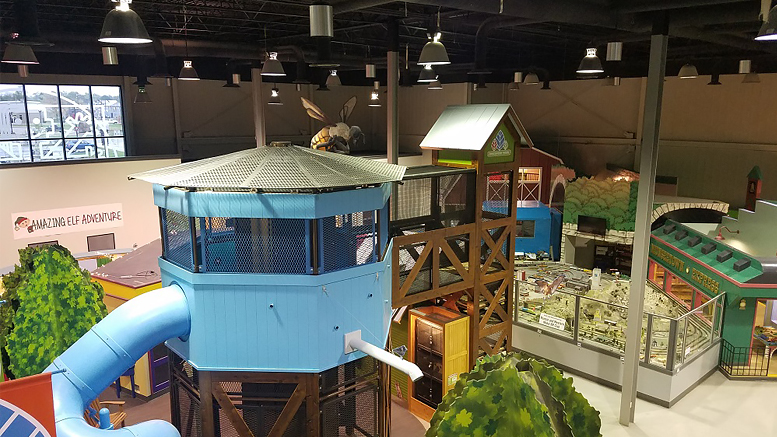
(100,242)
(524,229)
(43,244)
(40,123)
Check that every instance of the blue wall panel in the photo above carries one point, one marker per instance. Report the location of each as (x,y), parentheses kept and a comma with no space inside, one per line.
(542,229)
(244,205)
(234,328)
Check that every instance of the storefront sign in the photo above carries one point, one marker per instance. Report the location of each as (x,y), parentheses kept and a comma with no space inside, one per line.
(668,259)
(552,321)
(66,220)
(705,281)
(501,147)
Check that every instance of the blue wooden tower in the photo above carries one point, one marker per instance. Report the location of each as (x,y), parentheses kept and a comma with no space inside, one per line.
(281,252)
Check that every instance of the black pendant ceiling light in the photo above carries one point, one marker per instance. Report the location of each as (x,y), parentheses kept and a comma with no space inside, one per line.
(123,26)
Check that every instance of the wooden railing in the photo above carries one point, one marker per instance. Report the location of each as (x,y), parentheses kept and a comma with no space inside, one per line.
(426,250)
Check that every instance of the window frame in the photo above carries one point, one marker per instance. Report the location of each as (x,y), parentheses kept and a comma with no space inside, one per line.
(95,137)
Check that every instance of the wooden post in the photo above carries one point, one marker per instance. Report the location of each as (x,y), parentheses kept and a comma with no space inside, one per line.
(312,408)
(384,401)
(206,404)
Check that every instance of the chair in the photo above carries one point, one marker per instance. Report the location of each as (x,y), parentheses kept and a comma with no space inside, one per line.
(131,373)
(92,413)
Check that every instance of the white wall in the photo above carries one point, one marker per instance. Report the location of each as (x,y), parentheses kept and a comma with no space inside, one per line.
(72,185)
(710,139)
(711,136)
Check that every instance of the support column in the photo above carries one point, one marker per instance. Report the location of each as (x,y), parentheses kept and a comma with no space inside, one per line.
(206,404)
(258,100)
(392,98)
(647,180)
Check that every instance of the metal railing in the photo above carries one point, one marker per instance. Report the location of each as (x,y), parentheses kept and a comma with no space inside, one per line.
(744,362)
(600,325)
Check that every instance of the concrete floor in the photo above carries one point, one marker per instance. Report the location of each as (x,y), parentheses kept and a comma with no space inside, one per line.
(716,408)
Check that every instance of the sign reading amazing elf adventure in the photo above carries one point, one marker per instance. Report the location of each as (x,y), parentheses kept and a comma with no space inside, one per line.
(66,220)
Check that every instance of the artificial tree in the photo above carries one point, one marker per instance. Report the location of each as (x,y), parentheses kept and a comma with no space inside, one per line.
(50,303)
(507,395)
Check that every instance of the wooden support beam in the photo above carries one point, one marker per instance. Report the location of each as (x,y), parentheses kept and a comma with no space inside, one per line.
(289,410)
(206,404)
(230,411)
(312,407)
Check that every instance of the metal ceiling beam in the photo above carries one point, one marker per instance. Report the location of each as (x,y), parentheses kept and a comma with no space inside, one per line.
(664,5)
(341,7)
(563,11)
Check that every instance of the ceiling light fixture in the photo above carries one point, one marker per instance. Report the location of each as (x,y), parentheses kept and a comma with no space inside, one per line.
(374,96)
(434,52)
(515,84)
(427,75)
(614,51)
(768,31)
(188,72)
(275,97)
(688,71)
(369,71)
(19,54)
(123,26)
(436,85)
(746,68)
(233,81)
(141,81)
(751,77)
(591,64)
(272,66)
(110,55)
(531,79)
(142,95)
(23,70)
(333,79)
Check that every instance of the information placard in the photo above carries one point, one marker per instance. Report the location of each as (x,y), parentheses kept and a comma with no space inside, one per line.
(552,321)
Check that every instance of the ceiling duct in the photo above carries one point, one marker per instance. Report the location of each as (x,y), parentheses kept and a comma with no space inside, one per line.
(322,31)
(26,15)
(321,21)
(481,39)
(614,51)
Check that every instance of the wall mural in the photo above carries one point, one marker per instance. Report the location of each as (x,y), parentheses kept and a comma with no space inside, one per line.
(615,201)
(49,304)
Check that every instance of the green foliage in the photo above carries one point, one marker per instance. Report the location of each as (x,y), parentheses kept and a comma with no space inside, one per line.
(509,395)
(53,303)
(614,201)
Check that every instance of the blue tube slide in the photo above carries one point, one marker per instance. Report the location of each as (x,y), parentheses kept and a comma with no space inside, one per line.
(111,347)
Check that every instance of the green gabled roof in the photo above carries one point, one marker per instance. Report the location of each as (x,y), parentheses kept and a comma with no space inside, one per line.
(747,275)
(755,174)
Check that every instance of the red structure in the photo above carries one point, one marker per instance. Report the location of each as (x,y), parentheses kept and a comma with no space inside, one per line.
(534,179)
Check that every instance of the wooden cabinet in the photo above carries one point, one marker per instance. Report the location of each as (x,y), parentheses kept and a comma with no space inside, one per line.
(439,345)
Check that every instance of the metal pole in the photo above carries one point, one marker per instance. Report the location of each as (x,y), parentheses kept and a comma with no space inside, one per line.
(256,91)
(647,180)
(392,113)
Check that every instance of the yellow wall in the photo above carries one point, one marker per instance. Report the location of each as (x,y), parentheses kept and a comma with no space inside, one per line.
(115,296)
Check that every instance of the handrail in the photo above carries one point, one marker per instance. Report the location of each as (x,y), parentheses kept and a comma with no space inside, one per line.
(675,337)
